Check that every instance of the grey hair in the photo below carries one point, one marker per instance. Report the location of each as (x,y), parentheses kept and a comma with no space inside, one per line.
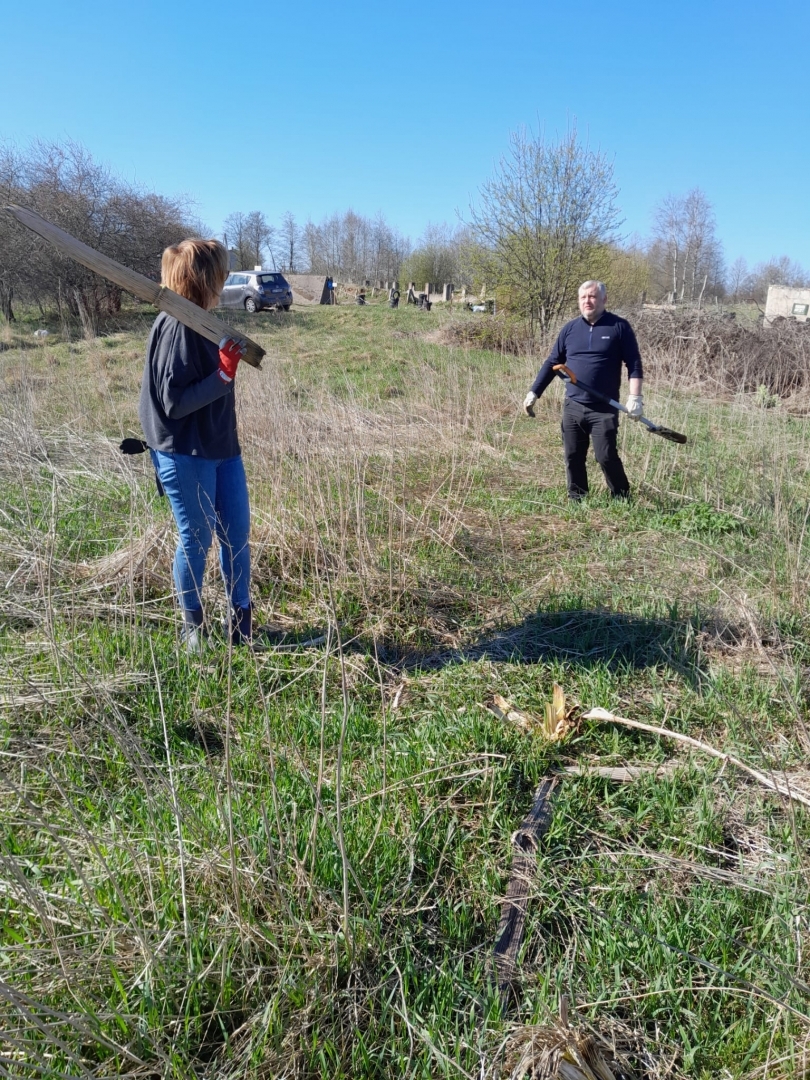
(599,284)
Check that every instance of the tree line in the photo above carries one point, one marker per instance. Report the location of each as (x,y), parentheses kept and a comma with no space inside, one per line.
(346,247)
(547,219)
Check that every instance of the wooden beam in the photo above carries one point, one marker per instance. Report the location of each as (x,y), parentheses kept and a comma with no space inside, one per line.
(783,788)
(189,314)
(525,843)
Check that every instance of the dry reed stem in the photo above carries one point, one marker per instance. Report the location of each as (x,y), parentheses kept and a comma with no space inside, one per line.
(761,778)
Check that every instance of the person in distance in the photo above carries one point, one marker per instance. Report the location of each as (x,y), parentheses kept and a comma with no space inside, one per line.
(594,346)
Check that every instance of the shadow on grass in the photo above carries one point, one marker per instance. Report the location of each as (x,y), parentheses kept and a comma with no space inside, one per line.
(587,637)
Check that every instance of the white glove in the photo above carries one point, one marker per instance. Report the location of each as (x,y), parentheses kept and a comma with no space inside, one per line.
(634,406)
(529,400)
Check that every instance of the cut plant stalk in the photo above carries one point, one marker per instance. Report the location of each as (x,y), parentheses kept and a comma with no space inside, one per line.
(186,312)
(784,789)
(567,375)
(554,725)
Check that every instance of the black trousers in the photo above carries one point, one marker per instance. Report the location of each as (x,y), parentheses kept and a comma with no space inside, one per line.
(580,425)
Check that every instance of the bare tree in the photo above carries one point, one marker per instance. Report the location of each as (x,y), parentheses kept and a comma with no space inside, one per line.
(63,183)
(780,270)
(686,255)
(351,247)
(233,237)
(289,238)
(248,236)
(11,254)
(260,237)
(738,279)
(539,221)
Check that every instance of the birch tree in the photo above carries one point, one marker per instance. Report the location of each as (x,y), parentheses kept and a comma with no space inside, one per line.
(686,253)
(351,247)
(288,245)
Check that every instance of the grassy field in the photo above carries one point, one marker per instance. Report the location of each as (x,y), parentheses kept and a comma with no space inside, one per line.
(289,863)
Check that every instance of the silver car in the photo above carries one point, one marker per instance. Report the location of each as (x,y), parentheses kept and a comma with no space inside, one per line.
(255,290)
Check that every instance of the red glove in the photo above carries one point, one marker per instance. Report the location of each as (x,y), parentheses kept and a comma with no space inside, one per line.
(231,352)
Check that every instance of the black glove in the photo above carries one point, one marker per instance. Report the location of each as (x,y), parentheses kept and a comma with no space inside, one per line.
(132,446)
(138,446)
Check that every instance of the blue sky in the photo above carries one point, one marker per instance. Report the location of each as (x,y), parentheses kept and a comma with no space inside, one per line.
(316,107)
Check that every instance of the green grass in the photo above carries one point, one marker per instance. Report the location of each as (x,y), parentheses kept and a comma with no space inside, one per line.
(291,862)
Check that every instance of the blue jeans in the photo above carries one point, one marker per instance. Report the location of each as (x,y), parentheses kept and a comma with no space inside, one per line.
(207,496)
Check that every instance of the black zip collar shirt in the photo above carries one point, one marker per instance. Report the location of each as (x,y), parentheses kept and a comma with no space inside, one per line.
(595,354)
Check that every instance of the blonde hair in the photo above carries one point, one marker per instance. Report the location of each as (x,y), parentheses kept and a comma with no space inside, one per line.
(195,269)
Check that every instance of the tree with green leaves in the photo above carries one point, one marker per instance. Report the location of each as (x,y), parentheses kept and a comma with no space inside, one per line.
(540,222)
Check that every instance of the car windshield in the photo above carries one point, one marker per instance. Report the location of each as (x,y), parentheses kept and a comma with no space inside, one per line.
(271,279)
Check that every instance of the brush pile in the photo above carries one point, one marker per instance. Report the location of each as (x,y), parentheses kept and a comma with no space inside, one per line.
(691,347)
(684,347)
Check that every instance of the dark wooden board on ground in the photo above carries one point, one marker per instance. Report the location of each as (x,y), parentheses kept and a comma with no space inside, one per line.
(524,866)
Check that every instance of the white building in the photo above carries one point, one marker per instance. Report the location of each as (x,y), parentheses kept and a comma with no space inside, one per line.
(787,303)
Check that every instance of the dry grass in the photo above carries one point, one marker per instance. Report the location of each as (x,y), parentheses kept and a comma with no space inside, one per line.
(561,1051)
(293,860)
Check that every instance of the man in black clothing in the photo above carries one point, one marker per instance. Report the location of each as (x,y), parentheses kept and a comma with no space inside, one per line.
(594,347)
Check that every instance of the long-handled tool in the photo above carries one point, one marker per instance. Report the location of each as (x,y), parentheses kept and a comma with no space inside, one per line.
(567,375)
(186,312)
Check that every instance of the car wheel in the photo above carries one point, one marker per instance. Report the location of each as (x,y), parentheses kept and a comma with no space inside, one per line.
(286,306)
(250,305)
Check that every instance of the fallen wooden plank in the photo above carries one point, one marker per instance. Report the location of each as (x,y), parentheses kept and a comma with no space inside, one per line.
(189,314)
(622,774)
(524,864)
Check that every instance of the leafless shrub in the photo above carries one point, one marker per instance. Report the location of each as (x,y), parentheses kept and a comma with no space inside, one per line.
(62,182)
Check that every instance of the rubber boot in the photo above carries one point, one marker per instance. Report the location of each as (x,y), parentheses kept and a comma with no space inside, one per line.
(242,625)
(193,632)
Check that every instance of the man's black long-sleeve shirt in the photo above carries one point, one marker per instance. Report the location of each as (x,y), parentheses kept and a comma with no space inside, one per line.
(595,354)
